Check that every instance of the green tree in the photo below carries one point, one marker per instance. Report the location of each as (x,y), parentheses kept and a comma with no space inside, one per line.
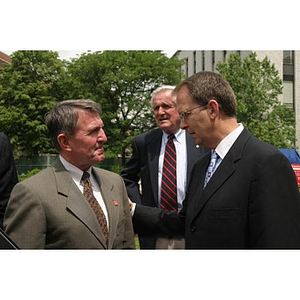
(122,82)
(29,87)
(257,87)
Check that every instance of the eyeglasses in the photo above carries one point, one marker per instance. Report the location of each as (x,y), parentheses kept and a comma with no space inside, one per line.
(183,116)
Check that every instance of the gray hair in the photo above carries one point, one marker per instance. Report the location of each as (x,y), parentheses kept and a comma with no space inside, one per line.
(161,88)
(62,118)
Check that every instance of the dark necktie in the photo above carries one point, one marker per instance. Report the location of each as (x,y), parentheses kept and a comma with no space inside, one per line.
(169,182)
(88,194)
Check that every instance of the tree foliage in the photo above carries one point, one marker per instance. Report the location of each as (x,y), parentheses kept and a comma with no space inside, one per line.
(122,83)
(29,87)
(257,87)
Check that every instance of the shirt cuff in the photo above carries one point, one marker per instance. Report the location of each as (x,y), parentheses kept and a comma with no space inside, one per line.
(132,209)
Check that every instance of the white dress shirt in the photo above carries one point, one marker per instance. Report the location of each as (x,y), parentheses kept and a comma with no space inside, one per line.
(76,175)
(225,145)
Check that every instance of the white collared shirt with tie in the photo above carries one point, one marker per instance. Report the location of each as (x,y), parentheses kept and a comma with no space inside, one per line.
(76,175)
(181,164)
(225,145)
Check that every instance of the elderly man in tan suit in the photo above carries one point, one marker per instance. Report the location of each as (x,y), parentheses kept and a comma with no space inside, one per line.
(59,207)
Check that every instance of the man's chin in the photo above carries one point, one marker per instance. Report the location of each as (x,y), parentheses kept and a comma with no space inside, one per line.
(164,125)
(99,157)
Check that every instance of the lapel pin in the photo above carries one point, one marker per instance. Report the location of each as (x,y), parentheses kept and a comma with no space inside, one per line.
(116,203)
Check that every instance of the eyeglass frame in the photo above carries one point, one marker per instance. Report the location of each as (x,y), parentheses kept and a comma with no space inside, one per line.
(183,115)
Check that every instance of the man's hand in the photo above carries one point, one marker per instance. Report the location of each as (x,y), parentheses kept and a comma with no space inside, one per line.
(130,204)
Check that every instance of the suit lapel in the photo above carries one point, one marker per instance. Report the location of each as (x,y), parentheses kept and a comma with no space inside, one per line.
(192,154)
(198,182)
(106,188)
(223,172)
(153,144)
(76,202)
(81,209)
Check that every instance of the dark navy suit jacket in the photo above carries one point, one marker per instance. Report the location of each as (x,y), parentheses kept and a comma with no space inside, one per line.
(8,174)
(251,201)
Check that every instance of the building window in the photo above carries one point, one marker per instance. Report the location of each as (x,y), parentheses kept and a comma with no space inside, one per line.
(288,94)
(288,58)
(195,62)
(288,79)
(187,67)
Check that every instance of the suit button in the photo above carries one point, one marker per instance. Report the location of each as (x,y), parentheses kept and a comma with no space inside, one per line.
(193,228)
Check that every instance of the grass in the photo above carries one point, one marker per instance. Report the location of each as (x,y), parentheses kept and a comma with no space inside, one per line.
(137,243)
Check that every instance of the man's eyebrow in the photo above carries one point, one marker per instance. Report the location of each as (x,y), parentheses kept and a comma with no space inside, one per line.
(163,105)
(92,129)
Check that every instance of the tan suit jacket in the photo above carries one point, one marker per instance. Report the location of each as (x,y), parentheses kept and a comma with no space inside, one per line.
(49,211)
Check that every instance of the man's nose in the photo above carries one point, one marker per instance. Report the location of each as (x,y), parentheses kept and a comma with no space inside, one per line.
(102,136)
(161,110)
(183,124)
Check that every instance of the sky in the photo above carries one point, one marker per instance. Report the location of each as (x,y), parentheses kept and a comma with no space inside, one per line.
(213,25)
(68,54)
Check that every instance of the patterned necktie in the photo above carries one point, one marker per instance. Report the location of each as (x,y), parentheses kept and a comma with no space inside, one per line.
(88,194)
(212,167)
(169,182)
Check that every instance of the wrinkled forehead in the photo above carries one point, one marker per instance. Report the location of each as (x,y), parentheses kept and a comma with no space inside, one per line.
(164,97)
(88,117)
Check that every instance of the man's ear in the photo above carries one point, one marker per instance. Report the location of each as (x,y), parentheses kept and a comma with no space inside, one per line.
(63,140)
(214,109)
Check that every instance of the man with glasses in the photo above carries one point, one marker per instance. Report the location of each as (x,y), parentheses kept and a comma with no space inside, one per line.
(147,164)
(243,194)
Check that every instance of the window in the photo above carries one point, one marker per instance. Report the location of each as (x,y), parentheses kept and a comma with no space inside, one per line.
(288,94)
(195,62)
(288,79)
(187,67)
(288,58)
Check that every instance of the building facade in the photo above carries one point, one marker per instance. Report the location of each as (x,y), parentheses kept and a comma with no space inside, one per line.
(4,59)
(286,62)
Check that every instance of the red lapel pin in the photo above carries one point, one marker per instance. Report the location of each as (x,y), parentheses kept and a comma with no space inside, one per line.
(116,203)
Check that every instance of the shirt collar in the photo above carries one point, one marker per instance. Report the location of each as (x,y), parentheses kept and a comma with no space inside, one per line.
(179,136)
(75,172)
(225,145)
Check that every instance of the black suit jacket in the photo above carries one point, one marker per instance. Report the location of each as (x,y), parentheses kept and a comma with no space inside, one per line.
(8,174)
(252,201)
(143,165)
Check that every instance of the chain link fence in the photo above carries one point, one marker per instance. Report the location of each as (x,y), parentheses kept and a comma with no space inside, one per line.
(25,165)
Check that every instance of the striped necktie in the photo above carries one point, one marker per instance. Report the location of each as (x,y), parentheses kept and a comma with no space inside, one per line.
(88,194)
(212,167)
(169,181)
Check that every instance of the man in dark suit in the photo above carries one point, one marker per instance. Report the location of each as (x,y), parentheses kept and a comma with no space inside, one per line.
(72,205)
(146,163)
(8,174)
(251,199)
